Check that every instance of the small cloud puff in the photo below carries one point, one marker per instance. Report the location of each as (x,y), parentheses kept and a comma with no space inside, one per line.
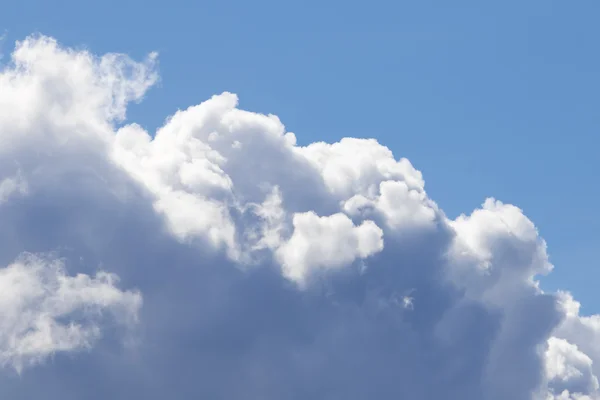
(45,311)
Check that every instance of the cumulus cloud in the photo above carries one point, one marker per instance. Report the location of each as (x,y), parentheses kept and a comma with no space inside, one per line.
(268,269)
(326,242)
(45,311)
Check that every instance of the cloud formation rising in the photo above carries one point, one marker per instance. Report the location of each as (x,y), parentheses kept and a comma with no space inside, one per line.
(218,258)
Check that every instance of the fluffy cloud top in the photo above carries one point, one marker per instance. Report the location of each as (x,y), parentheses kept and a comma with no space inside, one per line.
(268,270)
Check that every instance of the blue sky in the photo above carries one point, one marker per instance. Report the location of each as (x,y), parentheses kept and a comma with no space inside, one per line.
(486,98)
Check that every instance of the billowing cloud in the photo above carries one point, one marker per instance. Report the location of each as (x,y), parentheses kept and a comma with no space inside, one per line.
(267,269)
(45,311)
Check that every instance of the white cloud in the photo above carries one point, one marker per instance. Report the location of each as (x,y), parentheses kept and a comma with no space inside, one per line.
(409,303)
(357,166)
(326,242)
(569,369)
(12,186)
(402,208)
(44,311)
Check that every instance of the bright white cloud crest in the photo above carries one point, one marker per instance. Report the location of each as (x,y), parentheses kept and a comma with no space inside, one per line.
(268,269)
